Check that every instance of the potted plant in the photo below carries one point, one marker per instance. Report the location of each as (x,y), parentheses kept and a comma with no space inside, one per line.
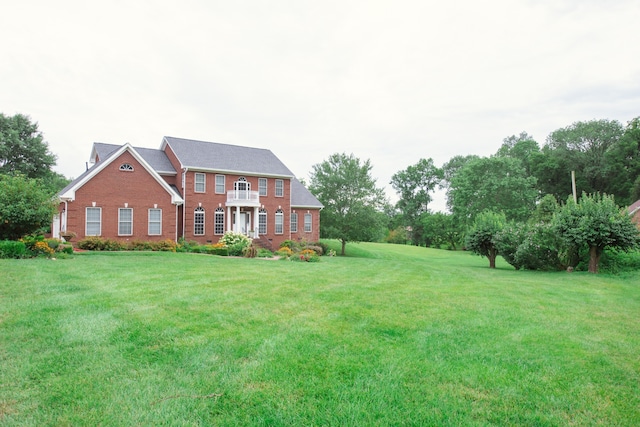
(68,235)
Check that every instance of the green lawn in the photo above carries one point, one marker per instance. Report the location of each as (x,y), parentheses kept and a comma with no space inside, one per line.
(391,335)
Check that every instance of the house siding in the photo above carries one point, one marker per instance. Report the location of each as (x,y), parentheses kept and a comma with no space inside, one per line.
(110,189)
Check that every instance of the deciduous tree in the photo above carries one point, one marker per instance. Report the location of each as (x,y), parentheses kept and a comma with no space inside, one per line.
(22,149)
(597,223)
(481,237)
(353,204)
(25,206)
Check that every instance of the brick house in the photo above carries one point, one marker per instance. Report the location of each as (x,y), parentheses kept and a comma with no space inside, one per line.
(192,189)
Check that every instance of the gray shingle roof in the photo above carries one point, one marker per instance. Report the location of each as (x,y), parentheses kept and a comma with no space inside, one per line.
(157,159)
(301,197)
(226,158)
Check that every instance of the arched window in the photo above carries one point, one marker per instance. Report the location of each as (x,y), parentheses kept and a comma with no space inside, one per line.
(262,221)
(126,167)
(198,222)
(279,221)
(218,221)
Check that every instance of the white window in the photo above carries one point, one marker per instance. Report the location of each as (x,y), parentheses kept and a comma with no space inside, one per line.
(294,222)
(93,226)
(218,221)
(262,221)
(198,222)
(126,167)
(155,222)
(125,222)
(262,186)
(220,184)
(279,221)
(200,181)
(279,188)
(307,223)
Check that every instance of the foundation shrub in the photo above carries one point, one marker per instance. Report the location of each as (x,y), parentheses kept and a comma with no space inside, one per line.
(284,252)
(317,249)
(250,252)
(12,249)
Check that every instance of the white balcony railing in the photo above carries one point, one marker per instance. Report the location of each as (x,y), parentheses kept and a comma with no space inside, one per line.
(243,197)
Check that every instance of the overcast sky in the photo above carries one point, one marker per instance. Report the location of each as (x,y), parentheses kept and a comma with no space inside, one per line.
(389,81)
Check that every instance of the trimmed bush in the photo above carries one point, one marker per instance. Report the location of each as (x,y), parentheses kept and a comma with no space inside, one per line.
(12,249)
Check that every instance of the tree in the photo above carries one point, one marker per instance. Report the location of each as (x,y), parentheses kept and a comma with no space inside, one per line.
(522,147)
(597,223)
(414,185)
(582,147)
(25,206)
(481,237)
(352,202)
(441,229)
(499,184)
(22,149)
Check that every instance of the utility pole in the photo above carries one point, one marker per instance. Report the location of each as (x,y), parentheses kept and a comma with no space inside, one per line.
(573,186)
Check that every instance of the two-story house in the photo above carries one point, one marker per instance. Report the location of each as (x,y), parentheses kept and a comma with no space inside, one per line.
(192,189)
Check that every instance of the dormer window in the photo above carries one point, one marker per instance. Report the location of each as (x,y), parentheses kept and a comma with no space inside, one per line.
(126,167)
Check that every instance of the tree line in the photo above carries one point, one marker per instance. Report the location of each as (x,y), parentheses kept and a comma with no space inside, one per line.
(513,185)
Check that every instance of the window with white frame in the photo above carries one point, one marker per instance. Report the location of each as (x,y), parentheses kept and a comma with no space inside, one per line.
(126,167)
(279,222)
(307,223)
(125,221)
(220,184)
(155,222)
(262,221)
(279,188)
(199,183)
(198,222)
(218,221)
(93,225)
(262,186)
(294,222)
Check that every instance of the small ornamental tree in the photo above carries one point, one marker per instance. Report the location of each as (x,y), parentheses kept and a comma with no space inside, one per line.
(481,237)
(596,223)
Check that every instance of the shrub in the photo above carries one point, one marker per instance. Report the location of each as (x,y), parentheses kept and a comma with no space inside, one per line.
(284,251)
(616,261)
(291,244)
(166,245)
(139,245)
(53,243)
(317,249)
(236,242)
(95,243)
(307,255)
(250,251)
(507,241)
(264,253)
(12,249)
(42,248)
(539,249)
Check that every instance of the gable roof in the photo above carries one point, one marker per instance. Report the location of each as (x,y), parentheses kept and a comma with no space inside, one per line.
(213,156)
(157,159)
(301,197)
(104,154)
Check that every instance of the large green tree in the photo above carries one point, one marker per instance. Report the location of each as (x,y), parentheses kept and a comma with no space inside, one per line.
(595,222)
(522,147)
(414,186)
(494,183)
(25,206)
(583,147)
(353,204)
(22,148)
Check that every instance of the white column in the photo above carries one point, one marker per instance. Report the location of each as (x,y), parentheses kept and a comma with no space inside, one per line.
(255,223)
(228,218)
(236,224)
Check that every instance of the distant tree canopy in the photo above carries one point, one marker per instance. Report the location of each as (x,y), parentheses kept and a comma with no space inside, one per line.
(22,149)
(353,205)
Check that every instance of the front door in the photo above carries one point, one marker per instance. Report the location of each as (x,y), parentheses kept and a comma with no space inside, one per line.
(243,222)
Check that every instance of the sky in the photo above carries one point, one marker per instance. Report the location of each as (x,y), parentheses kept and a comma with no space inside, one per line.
(388,81)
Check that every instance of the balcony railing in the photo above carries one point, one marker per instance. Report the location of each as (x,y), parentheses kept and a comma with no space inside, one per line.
(243,197)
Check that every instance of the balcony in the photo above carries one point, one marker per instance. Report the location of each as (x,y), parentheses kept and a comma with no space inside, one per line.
(243,198)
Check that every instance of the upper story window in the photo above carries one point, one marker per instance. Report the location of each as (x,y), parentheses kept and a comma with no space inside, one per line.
(279,188)
(199,183)
(126,167)
(220,184)
(262,186)
(241,184)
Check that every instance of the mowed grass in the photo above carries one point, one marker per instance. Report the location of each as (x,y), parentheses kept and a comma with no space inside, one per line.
(390,335)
